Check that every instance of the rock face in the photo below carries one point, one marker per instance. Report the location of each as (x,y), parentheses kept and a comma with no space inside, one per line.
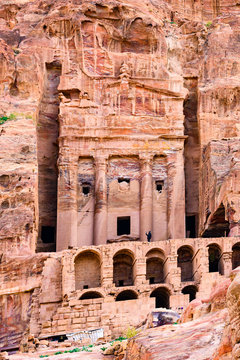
(29,292)
(233,305)
(117,120)
(196,340)
(99,99)
(201,335)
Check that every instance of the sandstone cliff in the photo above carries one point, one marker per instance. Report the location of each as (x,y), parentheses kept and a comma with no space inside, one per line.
(80,80)
(66,46)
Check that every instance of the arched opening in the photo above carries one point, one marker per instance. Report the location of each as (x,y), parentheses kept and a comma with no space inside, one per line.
(126,295)
(235,255)
(91,295)
(162,297)
(155,266)
(87,270)
(123,268)
(185,255)
(214,255)
(191,290)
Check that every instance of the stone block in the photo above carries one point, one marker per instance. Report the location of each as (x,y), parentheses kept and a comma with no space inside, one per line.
(46,324)
(63,322)
(61,328)
(87,302)
(66,316)
(79,321)
(75,302)
(93,319)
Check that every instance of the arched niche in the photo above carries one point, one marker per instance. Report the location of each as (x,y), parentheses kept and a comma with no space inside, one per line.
(235,255)
(123,262)
(162,296)
(155,259)
(214,256)
(87,270)
(91,295)
(126,295)
(184,261)
(191,290)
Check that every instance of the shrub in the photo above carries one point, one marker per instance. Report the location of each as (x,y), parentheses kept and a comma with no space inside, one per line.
(5,118)
(208,24)
(131,332)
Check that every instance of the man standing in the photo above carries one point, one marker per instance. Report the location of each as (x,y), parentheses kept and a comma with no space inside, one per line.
(149,236)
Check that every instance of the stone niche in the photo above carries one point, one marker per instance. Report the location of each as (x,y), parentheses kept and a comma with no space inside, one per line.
(160,193)
(85,200)
(123,197)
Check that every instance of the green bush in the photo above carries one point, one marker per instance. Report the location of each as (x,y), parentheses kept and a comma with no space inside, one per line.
(208,24)
(5,118)
(131,332)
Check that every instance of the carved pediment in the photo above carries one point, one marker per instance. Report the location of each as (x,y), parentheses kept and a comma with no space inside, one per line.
(144,85)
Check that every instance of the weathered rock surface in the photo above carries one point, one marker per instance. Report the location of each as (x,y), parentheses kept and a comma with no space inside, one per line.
(233,306)
(93,94)
(86,53)
(195,340)
(203,332)
(30,290)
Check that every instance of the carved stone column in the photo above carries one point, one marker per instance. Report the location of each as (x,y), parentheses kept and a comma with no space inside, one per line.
(173,272)
(176,195)
(146,201)
(100,212)
(227,263)
(67,206)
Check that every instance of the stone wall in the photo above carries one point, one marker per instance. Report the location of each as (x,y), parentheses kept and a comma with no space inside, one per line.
(113,318)
(120,294)
(51,294)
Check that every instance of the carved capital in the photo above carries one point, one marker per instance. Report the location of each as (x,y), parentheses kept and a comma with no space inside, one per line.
(227,256)
(101,160)
(146,160)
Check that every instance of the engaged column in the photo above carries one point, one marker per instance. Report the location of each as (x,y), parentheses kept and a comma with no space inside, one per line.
(100,213)
(146,201)
(67,206)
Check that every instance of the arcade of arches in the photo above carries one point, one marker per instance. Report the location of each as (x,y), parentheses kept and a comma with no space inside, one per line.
(154,265)
(116,282)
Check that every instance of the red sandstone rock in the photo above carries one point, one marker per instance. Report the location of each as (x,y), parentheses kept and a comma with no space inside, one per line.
(97,93)
(218,295)
(196,340)
(167,46)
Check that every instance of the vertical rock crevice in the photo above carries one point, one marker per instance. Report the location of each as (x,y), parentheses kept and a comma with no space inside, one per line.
(47,145)
(191,156)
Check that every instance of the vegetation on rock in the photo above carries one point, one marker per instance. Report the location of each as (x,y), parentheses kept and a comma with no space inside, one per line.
(5,118)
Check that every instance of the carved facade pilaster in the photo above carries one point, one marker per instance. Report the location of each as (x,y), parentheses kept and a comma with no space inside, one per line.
(146,196)
(100,213)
